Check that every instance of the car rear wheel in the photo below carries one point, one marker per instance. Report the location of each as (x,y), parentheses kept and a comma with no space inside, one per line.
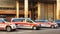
(8,29)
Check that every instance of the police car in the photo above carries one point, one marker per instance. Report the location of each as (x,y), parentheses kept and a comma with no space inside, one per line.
(6,25)
(25,23)
(46,23)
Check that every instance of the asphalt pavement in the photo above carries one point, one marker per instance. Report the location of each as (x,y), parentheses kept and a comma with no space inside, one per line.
(28,31)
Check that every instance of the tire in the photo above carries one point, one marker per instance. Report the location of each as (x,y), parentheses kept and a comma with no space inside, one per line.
(8,29)
(14,30)
(35,28)
(52,27)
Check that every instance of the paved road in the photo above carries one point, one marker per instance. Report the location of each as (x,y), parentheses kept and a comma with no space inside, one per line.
(42,31)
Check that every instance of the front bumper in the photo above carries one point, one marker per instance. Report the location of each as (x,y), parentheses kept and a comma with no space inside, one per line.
(13,26)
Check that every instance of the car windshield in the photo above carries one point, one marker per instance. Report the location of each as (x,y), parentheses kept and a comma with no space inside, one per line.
(41,21)
(29,20)
(57,20)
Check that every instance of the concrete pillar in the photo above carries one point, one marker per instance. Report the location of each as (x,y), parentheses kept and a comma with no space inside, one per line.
(58,9)
(54,11)
(26,8)
(17,8)
(38,11)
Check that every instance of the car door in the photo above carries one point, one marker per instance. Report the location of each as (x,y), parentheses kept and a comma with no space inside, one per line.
(21,25)
(24,25)
(29,24)
(19,22)
(43,24)
(47,24)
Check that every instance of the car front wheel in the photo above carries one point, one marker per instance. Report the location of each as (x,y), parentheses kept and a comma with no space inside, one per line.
(8,29)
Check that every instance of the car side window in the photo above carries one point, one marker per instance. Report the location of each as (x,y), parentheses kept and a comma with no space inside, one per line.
(22,20)
(18,20)
(29,21)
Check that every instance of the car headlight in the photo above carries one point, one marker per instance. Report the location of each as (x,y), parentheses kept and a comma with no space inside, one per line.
(13,25)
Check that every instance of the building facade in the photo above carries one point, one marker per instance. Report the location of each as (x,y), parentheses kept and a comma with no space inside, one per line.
(35,9)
